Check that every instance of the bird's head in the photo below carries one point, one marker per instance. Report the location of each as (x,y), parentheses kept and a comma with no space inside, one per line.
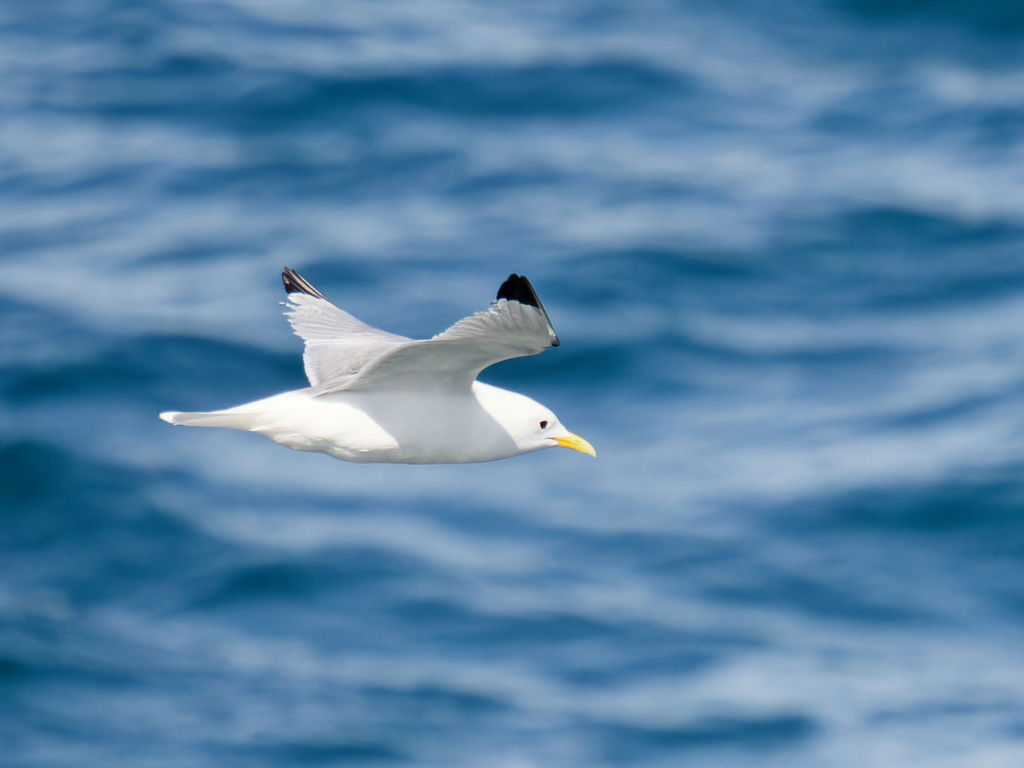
(528,423)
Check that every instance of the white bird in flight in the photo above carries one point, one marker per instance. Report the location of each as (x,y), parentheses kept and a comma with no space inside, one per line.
(378,397)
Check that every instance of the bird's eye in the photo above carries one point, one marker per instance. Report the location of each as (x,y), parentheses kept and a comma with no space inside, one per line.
(543,425)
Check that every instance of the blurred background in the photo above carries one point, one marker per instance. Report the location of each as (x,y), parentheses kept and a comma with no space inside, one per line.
(783,246)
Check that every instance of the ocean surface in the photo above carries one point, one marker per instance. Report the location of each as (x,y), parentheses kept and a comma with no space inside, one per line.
(783,247)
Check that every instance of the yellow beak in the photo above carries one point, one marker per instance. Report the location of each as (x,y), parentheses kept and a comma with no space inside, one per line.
(577,443)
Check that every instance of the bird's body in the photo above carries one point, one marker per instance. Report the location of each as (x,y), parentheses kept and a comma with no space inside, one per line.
(377,397)
(387,427)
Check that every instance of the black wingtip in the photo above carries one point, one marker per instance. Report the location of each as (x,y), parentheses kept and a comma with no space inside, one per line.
(518,288)
(295,283)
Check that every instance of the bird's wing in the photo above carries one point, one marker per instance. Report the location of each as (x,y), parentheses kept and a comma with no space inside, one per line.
(515,325)
(338,345)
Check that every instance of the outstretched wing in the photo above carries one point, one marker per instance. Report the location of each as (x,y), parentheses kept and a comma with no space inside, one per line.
(346,354)
(515,325)
(338,345)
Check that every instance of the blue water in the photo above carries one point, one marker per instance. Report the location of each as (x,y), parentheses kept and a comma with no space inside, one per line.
(783,247)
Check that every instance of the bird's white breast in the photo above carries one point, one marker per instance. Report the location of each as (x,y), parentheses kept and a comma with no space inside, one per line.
(394,426)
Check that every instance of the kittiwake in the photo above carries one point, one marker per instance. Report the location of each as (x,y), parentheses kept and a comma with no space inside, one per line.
(378,397)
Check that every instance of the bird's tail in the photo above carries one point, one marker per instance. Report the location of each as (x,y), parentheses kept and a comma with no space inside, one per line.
(258,416)
(230,419)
